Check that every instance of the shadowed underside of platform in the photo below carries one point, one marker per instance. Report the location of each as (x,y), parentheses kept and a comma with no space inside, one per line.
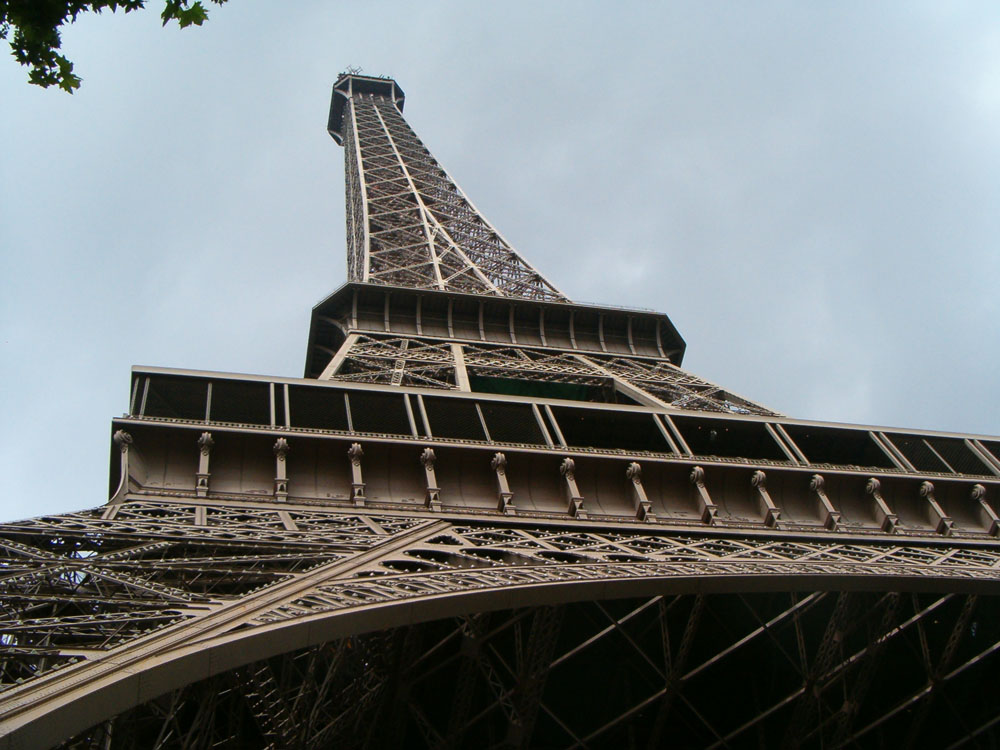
(826,669)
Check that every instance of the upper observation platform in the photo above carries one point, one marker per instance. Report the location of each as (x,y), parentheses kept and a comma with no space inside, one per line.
(350,84)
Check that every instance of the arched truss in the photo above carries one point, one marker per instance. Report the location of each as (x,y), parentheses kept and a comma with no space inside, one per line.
(109,609)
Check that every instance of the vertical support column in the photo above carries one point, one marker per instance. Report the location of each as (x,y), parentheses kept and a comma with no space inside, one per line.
(830,516)
(574,501)
(555,425)
(281,449)
(643,508)
(706,507)
(205,444)
(987,515)
(409,415)
(135,395)
(461,373)
(432,498)
(145,395)
(423,416)
(124,442)
(980,450)
(541,425)
(355,453)
(770,511)
(942,523)
(337,360)
(505,498)
(887,520)
(666,434)
(781,443)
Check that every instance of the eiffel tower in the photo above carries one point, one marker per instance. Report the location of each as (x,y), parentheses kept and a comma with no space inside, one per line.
(488,516)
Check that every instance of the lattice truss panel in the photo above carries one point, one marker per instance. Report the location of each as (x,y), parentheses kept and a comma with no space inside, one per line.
(410,225)
(84,593)
(782,670)
(464,558)
(80,584)
(678,387)
(405,360)
(399,360)
(354,194)
(525,363)
(89,585)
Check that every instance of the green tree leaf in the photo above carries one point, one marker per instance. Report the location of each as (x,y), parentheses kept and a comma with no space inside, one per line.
(33,28)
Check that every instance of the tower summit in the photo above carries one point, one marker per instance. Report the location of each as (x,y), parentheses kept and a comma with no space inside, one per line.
(491,517)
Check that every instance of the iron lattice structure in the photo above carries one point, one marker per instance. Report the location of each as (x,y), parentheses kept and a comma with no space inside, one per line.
(490,517)
(408,223)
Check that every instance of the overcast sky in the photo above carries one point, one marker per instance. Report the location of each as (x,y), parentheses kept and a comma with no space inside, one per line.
(811,191)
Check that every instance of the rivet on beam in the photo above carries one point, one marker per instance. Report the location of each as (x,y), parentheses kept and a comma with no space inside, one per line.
(770,511)
(505,498)
(706,507)
(887,520)
(281,450)
(943,524)
(987,515)
(433,497)
(124,441)
(205,444)
(643,508)
(357,483)
(574,501)
(831,517)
